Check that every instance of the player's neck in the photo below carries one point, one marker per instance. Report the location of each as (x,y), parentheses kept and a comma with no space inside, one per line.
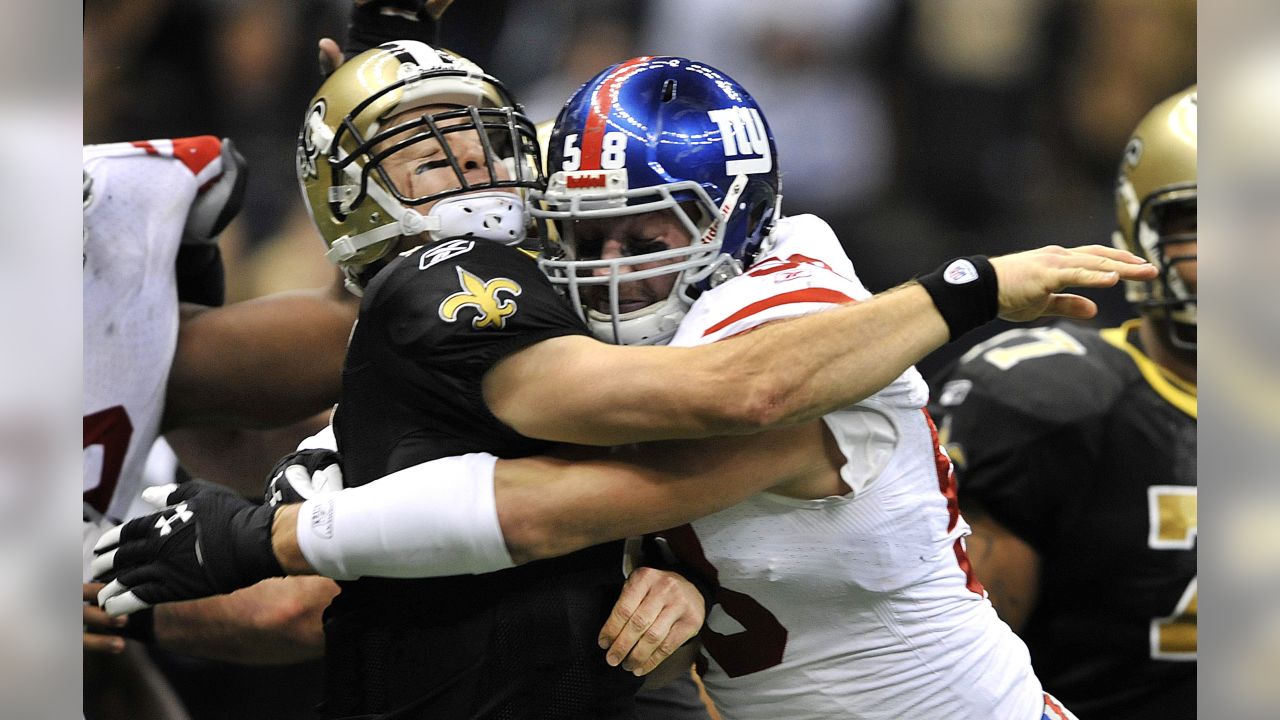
(1158,347)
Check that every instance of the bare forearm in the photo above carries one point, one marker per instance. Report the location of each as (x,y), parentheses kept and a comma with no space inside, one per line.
(284,541)
(239,458)
(551,506)
(781,374)
(260,363)
(802,369)
(1006,565)
(276,621)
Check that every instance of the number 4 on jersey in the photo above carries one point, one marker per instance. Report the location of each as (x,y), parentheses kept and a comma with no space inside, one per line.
(1173,526)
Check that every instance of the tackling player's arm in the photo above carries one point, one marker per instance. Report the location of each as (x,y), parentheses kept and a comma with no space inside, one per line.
(259,363)
(239,458)
(1007,565)
(276,621)
(786,373)
(548,506)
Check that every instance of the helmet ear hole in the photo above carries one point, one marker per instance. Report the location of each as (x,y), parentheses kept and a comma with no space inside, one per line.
(668,91)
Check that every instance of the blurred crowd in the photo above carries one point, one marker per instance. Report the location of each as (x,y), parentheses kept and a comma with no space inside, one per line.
(920,129)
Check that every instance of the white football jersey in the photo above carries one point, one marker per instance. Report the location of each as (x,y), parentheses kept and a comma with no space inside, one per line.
(140,195)
(857,606)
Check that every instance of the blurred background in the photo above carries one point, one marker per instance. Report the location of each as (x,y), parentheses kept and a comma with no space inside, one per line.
(920,129)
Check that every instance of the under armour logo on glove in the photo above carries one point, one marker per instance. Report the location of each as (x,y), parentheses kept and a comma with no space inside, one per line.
(209,541)
(180,514)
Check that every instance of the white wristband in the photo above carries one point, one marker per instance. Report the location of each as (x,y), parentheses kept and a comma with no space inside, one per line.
(430,520)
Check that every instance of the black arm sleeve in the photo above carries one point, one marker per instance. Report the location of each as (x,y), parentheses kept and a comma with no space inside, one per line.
(201,278)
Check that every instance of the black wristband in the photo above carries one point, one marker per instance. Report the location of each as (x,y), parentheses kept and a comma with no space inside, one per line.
(965,292)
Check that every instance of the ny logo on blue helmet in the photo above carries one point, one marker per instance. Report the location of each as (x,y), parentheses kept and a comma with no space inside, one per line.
(653,134)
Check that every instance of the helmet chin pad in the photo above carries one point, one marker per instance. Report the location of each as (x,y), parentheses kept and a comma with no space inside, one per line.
(495,216)
(652,325)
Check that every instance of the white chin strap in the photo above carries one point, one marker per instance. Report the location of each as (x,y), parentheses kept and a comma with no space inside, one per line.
(495,216)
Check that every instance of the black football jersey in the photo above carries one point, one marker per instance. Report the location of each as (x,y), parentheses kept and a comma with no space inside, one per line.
(1086,449)
(516,644)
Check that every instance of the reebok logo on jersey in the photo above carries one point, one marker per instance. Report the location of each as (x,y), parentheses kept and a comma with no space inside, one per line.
(444,251)
(960,272)
(490,310)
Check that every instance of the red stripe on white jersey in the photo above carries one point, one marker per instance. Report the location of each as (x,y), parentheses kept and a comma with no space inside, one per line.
(807,295)
(201,154)
(947,484)
(1053,710)
(198,154)
(601,104)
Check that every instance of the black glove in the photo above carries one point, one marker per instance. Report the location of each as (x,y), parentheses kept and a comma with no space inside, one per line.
(209,541)
(303,475)
(382,21)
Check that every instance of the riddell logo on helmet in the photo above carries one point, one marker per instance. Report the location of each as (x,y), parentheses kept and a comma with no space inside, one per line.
(580,182)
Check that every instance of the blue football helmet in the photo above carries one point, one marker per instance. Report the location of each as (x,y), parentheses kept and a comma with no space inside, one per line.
(650,134)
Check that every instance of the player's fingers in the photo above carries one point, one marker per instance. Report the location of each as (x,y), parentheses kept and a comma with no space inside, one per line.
(158,495)
(89,591)
(97,619)
(1085,277)
(653,640)
(141,582)
(633,592)
(1071,306)
(109,644)
(1112,253)
(329,56)
(104,564)
(681,632)
(1129,271)
(109,539)
(110,590)
(634,629)
(123,602)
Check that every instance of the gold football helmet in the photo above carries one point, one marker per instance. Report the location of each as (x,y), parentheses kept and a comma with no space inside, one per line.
(361,212)
(1158,175)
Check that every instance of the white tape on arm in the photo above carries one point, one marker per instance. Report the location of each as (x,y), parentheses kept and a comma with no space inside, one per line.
(434,519)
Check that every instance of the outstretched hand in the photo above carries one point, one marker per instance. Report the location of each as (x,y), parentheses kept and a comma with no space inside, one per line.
(1031,282)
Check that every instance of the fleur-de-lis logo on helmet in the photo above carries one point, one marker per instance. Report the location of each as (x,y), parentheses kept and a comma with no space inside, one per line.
(483,296)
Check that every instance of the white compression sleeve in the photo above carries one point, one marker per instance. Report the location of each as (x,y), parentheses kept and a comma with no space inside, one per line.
(430,520)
